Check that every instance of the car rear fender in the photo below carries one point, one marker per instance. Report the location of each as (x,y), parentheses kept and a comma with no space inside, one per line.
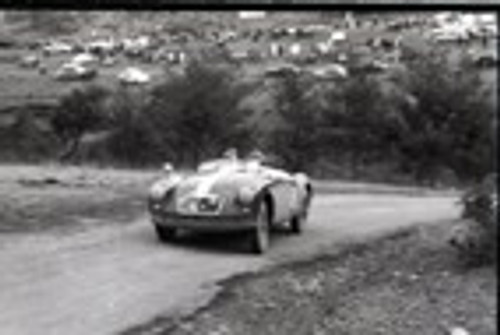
(265,195)
(305,184)
(281,207)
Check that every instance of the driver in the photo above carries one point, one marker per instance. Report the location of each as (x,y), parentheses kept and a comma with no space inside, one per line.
(230,154)
(256,155)
(255,159)
(229,158)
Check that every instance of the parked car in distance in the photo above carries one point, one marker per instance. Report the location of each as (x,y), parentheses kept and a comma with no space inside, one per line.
(485,59)
(280,70)
(225,195)
(132,75)
(72,71)
(29,62)
(329,71)
(57,47)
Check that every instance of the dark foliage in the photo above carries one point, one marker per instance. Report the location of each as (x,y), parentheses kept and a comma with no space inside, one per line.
(451,124)
(295,140)
(79,112)
(29,136)
(197,115)
(477,238)
(429,121)
(131,139)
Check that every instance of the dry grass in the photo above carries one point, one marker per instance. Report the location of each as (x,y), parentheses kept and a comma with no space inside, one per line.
(18,86)
(35,198)
(411,283)
(52,196)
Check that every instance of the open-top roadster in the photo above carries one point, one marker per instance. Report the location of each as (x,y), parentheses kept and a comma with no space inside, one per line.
(230,194)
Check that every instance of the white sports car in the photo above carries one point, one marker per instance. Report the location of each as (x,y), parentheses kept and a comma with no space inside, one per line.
(230,195)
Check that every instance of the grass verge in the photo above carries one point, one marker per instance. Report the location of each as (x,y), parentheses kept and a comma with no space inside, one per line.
(46,198)
(409,283)
(35,198)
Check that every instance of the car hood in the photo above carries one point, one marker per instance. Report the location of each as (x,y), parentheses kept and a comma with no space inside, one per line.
(224,183)
(227,181)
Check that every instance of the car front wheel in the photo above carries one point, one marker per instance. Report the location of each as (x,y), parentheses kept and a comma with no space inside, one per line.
(166,234)
(297,223)
(259,236)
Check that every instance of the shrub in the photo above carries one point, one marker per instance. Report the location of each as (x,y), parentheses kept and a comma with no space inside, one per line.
(294,139)
(27,135)
(476,237)
(130,138)
(197,115)
(451,124)
(78,113)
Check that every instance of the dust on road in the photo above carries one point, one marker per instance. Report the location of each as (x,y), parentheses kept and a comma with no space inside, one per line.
(105,280)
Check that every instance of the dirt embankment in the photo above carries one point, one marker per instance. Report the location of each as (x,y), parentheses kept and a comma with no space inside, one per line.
(41,198)
(36,198)
(410,283)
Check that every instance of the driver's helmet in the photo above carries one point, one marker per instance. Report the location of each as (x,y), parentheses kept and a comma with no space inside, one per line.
(230,154)
(256,155)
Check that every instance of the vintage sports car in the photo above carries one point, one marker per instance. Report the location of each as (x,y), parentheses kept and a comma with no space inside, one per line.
(230,195)
(74,71)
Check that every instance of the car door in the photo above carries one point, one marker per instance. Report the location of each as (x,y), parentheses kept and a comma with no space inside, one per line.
(285,195)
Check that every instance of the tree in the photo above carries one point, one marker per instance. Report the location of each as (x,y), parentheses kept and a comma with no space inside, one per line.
(79,112)
(361,121)
(451,126)
(197,115)
(295,138)
(132,140)
(48,22)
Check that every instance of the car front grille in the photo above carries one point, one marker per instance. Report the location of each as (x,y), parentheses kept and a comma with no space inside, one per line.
(201,205)
(208,205)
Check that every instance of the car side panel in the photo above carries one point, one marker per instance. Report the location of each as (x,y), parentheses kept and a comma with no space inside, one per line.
(285,195)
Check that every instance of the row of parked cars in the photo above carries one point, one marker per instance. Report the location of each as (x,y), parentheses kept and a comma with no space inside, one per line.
(85,66)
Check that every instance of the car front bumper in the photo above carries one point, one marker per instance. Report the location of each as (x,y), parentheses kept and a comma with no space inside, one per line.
(213,223)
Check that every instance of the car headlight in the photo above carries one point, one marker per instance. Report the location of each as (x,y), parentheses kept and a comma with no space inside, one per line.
(246,196)
(210,203)
(161,187)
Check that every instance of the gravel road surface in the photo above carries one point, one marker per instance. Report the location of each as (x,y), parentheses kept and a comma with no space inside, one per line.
(107,279)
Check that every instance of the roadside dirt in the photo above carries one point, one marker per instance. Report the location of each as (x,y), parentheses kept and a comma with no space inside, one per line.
(408,283)
(65,199)
(111,274)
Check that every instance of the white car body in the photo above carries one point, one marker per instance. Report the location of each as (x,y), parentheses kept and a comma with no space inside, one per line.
(134,75)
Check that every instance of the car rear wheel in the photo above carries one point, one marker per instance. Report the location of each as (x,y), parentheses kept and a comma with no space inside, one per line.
(297,223)
(166,234)
(259,236)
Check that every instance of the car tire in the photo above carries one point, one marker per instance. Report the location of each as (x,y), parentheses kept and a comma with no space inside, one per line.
(260,235)
(297,223)
(166,234)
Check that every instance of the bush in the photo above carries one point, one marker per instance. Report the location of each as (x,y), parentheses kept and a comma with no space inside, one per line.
(295,138)
(79,112)
(197,115)
(476,237)
(427,121)
(185,119)
(450,125)
(132,136)
(28,137)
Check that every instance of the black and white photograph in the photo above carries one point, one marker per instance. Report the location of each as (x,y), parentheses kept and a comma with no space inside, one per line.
(233,171)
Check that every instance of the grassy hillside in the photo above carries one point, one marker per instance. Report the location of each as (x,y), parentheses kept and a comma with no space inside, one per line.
(48,23)
(28,93)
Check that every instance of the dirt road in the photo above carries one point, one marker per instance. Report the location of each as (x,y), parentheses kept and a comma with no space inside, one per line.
(107,279)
